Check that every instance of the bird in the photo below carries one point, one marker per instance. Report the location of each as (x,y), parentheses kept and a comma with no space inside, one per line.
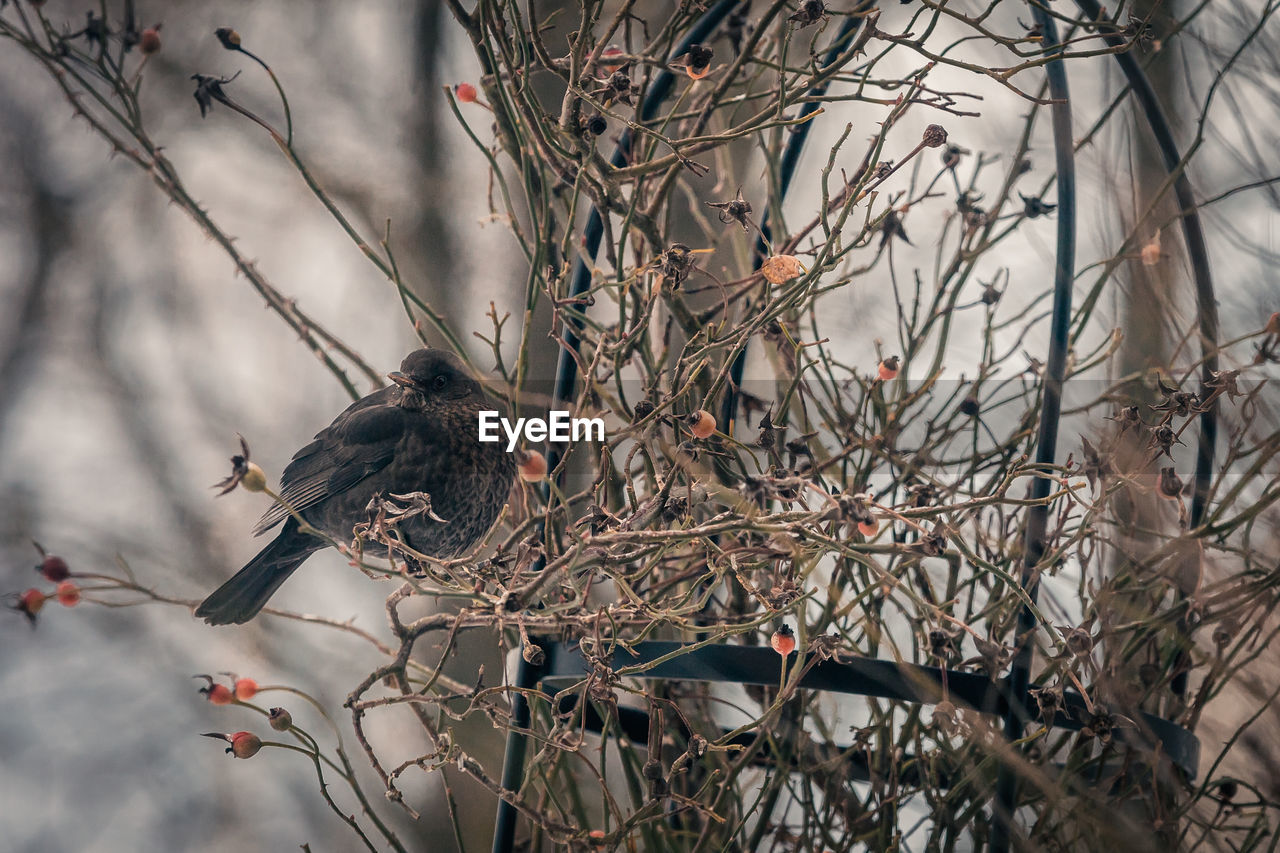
(417,436)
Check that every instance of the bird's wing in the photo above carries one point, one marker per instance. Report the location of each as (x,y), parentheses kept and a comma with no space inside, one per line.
(360,442)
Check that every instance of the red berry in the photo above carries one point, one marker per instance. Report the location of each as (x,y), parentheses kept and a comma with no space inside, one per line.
(68,594)
(465,93)
(783,641)
(702,424)
(149,40)
(245,689)
(869,528)
(54,568)
(533,466)
(887,369)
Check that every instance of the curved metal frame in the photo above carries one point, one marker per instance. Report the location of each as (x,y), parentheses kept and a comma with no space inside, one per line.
(1008,697)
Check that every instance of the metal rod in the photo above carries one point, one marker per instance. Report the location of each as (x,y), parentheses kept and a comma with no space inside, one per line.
(1047,436)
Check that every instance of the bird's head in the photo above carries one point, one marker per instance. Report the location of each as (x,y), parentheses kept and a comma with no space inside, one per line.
(435,376)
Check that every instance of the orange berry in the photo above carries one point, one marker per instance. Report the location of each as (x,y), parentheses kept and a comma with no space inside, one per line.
(1273,324)
(532,466)
(30,602)
(54,568)
(217,694)
(887,369)
(245,689)
(869,528)
(783,641)
(1150,253)
(149,40)
(698,61)
(68,594)
(243,744)
(465,92)
(609,53)
(702,424)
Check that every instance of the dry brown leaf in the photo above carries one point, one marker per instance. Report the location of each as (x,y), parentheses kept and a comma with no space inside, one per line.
(781,268)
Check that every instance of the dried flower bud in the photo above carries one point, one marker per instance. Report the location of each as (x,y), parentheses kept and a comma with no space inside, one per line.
(230,38)
(597,125)
(935,136)
(697,746)
(1079,642)
(810,11)
(533,654)
(1035,207)
(1223,634)
(1171,484)
(642,410)
(736,209)
(280,719)
(54,568)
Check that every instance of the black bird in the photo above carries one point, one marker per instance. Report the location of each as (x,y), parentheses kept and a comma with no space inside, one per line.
(417,435)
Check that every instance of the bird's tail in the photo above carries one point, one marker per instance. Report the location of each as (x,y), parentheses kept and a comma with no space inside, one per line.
(239,599)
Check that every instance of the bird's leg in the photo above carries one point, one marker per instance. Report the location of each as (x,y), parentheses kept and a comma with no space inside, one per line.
(417,503)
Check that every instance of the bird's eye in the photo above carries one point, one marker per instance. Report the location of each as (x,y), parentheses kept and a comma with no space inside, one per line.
(440,383)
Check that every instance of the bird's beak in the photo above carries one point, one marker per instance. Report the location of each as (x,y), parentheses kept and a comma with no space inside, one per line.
(401,380)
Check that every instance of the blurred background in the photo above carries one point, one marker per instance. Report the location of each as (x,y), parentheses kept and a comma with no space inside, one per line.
(131,354)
